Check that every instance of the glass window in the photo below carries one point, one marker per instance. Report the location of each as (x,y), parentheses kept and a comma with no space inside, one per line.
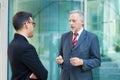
(51,17)
(103,19)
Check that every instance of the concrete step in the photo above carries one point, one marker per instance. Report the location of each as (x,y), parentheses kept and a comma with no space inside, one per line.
(105,59)
(108,65)
(107,71)
(111,76)
(106,74)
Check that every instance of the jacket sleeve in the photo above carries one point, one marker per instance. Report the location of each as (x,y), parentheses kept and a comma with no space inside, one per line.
(31,60)
(60,50)
(94,60)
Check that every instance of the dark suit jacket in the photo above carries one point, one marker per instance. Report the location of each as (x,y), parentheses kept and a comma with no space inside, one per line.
(87,48)
(24,60)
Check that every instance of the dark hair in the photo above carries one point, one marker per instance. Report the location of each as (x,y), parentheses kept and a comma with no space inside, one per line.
(20,18)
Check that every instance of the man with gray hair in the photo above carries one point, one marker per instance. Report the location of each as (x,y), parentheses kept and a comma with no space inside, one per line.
(79,50)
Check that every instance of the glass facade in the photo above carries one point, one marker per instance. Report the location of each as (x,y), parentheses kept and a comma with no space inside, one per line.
(103,19)
(51,17)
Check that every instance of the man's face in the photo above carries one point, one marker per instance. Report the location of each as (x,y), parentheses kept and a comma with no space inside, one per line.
(31,28)
(75,22)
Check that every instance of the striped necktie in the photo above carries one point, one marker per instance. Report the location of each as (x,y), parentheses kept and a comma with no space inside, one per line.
(74,42)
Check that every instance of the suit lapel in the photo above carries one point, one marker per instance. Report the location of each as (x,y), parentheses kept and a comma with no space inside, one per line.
(81,39)
(70,39)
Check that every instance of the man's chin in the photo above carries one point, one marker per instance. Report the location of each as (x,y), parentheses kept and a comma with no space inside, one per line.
(73,30)
(30,36)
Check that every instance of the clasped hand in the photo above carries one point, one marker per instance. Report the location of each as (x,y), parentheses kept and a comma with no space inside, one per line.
(33,76)
(59,59)
(75,61)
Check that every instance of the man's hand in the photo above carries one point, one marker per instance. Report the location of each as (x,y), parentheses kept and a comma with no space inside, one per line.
(59,59)
(33,76)
(76,61)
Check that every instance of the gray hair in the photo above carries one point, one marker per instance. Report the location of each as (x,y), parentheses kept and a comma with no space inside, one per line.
(81,14)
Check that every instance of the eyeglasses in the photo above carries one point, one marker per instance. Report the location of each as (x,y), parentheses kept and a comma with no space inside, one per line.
(33,23)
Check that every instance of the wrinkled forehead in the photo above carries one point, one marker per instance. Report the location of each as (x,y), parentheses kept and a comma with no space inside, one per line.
(77,15)
(74,16)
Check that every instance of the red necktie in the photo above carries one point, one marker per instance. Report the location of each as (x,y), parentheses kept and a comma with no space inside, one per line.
(74,42)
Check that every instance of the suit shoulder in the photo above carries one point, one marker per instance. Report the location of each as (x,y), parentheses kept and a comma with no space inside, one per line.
(66,34)
(19,44)
(90,34)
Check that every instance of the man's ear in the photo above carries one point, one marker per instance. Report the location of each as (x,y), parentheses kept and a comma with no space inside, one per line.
(82,22)
(26,25)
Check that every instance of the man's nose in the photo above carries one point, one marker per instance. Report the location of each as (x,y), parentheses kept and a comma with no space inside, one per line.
(71,22)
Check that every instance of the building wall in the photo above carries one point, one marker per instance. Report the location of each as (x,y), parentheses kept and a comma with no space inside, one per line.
(3,39)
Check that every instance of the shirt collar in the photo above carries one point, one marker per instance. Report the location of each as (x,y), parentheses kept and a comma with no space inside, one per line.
(24,36)
(80,31)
